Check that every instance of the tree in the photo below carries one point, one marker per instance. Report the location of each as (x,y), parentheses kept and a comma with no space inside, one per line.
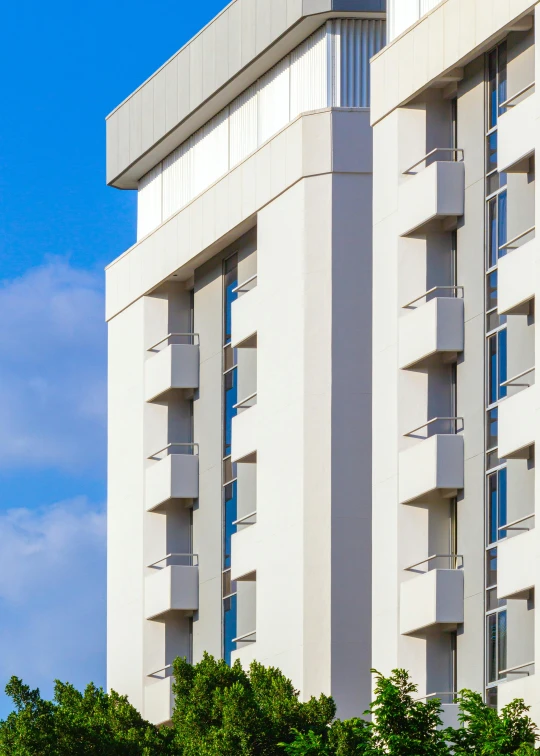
(92,723)
(484,732)
(226,711)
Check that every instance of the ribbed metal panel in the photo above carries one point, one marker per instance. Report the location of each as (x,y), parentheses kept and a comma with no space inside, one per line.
(309,74)
(210,152)
(351,44)
(149,202)
(273,101)
(177,179)
(427,5)
(331,68)
(243,126)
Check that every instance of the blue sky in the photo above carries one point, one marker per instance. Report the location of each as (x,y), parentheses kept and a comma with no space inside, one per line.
(64,65)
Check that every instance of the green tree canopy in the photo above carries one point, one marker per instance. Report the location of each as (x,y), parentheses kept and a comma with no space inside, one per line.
(228,711)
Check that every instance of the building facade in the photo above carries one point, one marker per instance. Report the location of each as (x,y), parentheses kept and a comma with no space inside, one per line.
(455,408)
(239,491)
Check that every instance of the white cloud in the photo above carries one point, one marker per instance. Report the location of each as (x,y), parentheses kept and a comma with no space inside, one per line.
(52,595)
(52,369)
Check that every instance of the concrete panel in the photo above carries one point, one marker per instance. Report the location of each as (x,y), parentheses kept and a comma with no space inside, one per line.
(244,436)
(517,424)
(171,589)
(431,468)
(244,549)
(174,477)
(517,566)
(434,598)
(175,367)
(159,701)
(434,330)
(436,192)
(517,279)
(517,136)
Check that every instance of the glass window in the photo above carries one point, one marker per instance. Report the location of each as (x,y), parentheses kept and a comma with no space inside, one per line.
(501,650)
(492,434)
(231,282)
(229,627)
(502,236)
(492,89)
(503,363)
(496,492)
(491,568)
(491,291)
(230,515)
(231,398)
(492,647)
(502,90)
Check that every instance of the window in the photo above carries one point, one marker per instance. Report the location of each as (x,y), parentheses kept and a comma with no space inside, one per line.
(229,506)
(496,236)
(497,514)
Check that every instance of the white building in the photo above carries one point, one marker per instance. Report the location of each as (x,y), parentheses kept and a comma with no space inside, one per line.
(239,355)
(455,408)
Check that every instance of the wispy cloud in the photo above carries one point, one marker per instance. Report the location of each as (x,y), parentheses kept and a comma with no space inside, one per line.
(52,371)
(52,595)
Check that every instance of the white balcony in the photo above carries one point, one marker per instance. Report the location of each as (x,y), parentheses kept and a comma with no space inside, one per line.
(521,683)
(517,277)
(516,563)
(517,422)
(244,553)
(172,588)
(246,652)
(244,432)
(433,332)
(431,469)
(176,366)
(433,600)
(517,132)
(244,317)
(175,476)
(434,194)
(159,701)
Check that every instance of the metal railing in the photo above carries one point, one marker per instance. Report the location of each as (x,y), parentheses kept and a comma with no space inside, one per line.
(453,150)
(508,244)
(165,669)
(246,638)
(456,289)
(510,381)
(175,445)
(519,669)
(241,288)
(511,525)
(243,520)
(194,339)
(455,557)
(245,403)
(436,420)
(454,694)
(193,560)
(507,103)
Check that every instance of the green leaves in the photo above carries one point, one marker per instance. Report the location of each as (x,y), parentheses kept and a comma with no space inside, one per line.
(227,711)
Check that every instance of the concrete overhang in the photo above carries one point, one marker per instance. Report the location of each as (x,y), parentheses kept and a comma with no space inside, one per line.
(240,44)
(433,52)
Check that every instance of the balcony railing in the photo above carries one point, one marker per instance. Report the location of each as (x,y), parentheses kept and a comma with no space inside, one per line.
(249,401)
(509,245)
(163,673)
(246,638)
(429,423)
(519,669)
(249,519)
(511,382)
(455,289)
(452,150)
(247,285)
(177,448)
(453,557)
(512,525)
(181,560)
(192,339)
(511,101)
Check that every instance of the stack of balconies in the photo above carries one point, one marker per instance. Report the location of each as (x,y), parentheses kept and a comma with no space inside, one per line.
(431,334)
(172,480)
(517,558)
(244,546)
